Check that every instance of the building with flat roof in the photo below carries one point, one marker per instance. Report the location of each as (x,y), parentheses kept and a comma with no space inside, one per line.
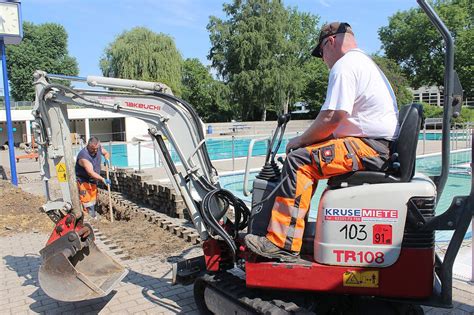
(83,123)
(434,96)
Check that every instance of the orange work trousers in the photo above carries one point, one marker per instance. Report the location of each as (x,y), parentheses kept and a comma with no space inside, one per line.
(301,172)
(87,194)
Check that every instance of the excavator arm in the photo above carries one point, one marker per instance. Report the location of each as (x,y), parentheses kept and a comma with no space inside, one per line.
(70,252)
(167,117)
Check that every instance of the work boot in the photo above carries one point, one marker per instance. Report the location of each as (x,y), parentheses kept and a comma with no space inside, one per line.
(262,246)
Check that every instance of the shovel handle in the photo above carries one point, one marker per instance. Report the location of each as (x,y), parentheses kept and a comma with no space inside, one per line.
(110,197)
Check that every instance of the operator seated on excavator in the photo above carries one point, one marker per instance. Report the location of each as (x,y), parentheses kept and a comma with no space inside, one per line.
(88,173)
(353,131)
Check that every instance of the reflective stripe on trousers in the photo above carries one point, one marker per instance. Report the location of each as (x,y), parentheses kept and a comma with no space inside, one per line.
(87,194)
(303,168)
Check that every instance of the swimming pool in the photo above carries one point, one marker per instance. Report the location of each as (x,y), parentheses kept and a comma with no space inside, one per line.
(460,136)
(127,155)
(458,184)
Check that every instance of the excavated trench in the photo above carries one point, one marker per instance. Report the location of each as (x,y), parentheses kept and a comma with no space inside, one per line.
(141,231)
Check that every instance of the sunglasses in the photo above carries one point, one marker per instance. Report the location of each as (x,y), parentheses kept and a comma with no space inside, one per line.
(324,44)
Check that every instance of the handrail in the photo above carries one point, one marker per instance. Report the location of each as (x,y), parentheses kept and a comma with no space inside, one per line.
(247,163)
(440,180)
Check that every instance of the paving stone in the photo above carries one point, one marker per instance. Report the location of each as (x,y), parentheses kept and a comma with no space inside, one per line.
(45,308)
(46,300)
(65,307)
(18,309)
(147,288)
(131,297)
(123,306)
(186,294)
(468,308)
(4,301)
(16,303)
(142,307)
(187,301)
(172,292)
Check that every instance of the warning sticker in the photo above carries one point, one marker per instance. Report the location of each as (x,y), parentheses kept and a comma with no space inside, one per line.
(382,234)
(61,170)
(361,279)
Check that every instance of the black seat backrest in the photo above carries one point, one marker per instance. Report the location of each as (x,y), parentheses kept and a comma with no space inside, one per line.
(410,118)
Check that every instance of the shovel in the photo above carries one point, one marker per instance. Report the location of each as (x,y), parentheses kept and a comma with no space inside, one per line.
(74,269)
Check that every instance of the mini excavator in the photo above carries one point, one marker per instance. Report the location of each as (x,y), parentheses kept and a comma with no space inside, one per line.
(372,250)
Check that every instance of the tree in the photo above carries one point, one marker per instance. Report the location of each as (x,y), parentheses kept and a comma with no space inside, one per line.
(413,42)
(44,47)
(140,54)
(260,51)
(208,96)
(397,79)
(315,76)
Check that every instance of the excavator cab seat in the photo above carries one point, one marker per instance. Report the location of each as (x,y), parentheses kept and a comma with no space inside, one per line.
(403,154)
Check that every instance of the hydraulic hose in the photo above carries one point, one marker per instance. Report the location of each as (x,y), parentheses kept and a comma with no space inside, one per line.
(242,214)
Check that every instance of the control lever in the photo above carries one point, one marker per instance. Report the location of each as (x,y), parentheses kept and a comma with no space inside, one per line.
(284,121)
(281,126)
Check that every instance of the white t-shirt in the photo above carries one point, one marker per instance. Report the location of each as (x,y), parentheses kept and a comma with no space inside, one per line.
(358,87)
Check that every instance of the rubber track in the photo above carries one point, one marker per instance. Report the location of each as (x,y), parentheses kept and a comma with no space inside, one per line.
(260,301)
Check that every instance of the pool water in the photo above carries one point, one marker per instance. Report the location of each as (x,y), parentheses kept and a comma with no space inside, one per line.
(458,184)
(127,155)
(460,136)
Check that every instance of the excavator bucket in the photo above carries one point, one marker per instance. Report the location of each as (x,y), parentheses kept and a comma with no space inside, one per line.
(76,270)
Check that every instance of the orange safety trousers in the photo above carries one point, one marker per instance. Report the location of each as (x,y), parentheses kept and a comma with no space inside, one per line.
(87,194)
(301,172)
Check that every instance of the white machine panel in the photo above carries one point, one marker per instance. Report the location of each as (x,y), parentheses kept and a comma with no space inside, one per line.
(364,225)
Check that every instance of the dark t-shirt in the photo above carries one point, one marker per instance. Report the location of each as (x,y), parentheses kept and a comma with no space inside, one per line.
(81,172)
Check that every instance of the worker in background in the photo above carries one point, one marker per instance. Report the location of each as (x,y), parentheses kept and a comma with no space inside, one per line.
(88,173)
(353,131)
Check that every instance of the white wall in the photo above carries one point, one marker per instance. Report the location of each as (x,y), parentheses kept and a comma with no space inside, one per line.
(98,126)
(73,113)
(135,127)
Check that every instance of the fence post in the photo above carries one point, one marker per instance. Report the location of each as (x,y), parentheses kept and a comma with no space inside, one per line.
(466,134)
(110,154)
(456,135)
(139,156)
(472,254)
(424,136)
(233,157)
(154,152)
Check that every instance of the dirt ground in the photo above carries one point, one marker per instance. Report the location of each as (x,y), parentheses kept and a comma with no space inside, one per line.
(140,238)
(19,212)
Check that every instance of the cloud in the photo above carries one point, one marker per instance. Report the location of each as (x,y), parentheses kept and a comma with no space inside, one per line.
(176,12)
(324,3)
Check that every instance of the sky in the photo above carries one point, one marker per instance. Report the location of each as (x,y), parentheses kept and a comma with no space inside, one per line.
(93,24)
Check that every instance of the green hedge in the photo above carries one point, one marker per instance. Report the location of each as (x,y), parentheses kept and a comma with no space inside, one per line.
(467,114)
(433,111)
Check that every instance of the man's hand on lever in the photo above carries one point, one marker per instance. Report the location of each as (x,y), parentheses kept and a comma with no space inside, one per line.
(293,144)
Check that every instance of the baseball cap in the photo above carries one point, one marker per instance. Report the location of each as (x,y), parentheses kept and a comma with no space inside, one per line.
(328,30)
